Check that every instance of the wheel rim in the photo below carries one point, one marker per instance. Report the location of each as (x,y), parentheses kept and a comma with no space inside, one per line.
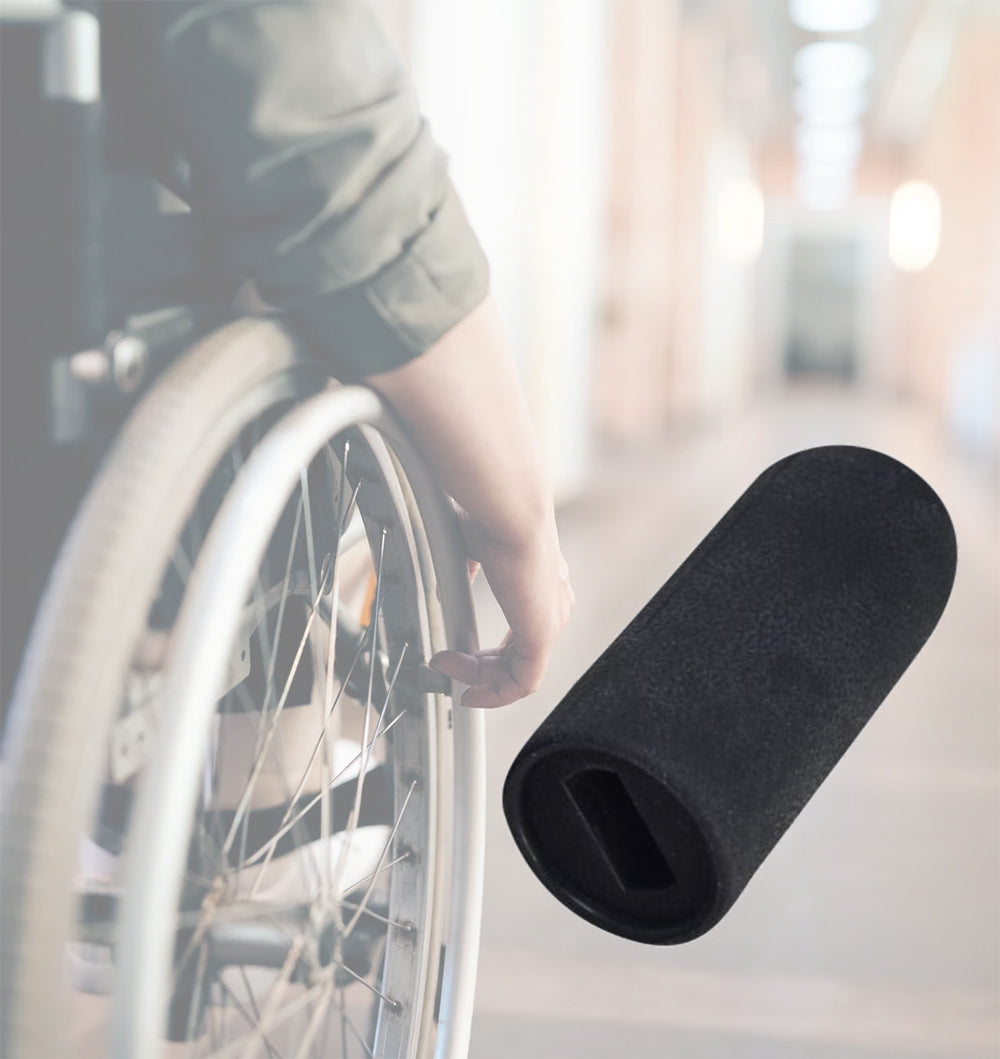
(400,907)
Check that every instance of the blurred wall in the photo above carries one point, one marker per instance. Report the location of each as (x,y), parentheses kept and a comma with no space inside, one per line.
(675,346)
(949,314)
(515,92)
(632,371)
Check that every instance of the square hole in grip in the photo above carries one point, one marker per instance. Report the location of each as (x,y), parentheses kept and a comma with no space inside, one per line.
(619,830)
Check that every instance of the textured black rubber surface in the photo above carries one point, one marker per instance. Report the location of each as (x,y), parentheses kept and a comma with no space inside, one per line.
(656,788)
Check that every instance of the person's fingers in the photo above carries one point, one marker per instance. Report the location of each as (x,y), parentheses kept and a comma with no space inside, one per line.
(497,687)
(526,667)
(482,698)
(496,676)
(458,665)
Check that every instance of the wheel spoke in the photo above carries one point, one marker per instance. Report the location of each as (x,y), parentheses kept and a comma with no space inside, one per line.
(394,1004)
(385,852)
(319,742)
(379,731)
(315,1022)
(213,1032)
(352,821)
(262,754)
(196,1005)
(378,915)
(267,1025)
(310,543)
(345,521)
(371,876)
(273,841)
(263,634)
(388,694)
(343,1021)
(252,1016)
(272,660)
(269,1019)
(327,705)
(347,1024)
(206,914)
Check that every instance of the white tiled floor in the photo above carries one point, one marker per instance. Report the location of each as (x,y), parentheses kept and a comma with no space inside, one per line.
(872,930)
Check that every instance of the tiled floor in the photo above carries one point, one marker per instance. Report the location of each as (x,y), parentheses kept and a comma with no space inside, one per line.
(872,930)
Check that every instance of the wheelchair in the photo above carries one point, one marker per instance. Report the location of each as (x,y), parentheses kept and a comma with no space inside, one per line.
(240,814)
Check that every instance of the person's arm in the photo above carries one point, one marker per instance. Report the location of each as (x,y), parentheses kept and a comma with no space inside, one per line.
(462,402)
(314,175)
(310,169)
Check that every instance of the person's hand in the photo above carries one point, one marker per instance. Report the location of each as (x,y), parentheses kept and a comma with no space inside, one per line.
(462,404)
(530,581)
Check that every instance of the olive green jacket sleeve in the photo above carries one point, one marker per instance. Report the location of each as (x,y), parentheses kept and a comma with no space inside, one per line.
(312,171)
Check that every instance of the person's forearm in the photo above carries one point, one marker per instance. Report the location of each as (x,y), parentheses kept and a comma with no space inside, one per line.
(462,402)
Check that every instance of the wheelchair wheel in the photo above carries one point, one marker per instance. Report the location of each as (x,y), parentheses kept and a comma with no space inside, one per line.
(312,876)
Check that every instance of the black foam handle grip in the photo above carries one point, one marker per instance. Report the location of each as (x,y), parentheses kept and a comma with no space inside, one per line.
(656,788)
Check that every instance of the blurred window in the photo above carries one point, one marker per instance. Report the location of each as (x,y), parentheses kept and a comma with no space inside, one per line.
(914,226)
(739,221)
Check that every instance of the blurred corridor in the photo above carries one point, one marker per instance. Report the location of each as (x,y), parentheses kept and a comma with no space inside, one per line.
(685,202)
(722,230)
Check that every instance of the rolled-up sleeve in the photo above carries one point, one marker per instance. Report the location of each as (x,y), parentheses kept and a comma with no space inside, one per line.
(315,175)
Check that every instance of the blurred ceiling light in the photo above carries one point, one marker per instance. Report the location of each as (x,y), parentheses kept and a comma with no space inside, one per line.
(914,226)
(833,65)
(822,107)
(828,144)
(833,16)
(739,221)
(824,190)
(840,173)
